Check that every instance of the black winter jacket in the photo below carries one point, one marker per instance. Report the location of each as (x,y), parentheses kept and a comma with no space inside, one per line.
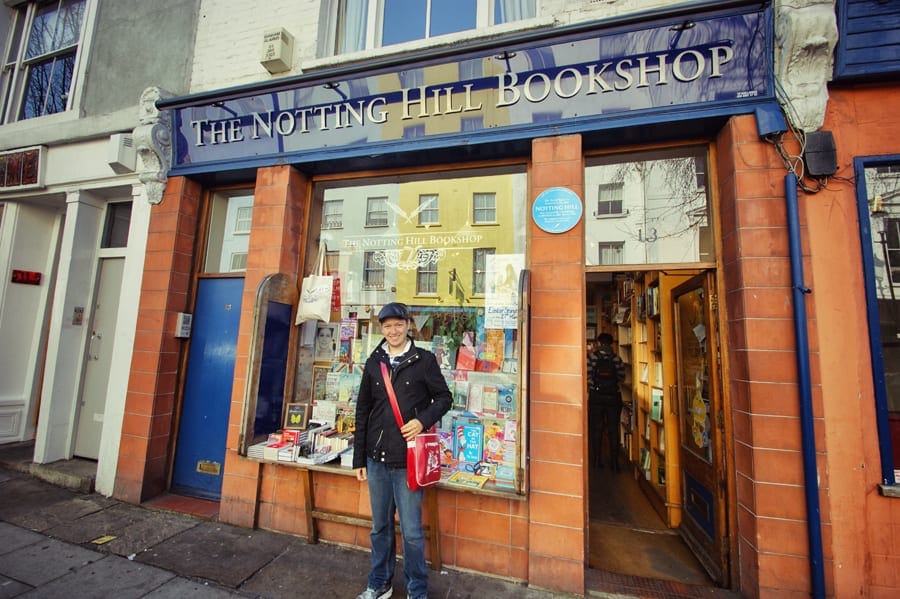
(421,393)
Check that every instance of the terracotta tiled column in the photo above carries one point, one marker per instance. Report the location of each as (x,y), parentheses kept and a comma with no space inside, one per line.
(558,415)
(147,423)
(771,515)
(279,208)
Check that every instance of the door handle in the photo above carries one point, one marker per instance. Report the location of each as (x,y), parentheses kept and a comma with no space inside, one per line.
(93,345)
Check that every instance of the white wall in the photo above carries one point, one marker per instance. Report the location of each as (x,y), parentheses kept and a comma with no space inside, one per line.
(123,344)
(28,239)
(67,338)
(230,33)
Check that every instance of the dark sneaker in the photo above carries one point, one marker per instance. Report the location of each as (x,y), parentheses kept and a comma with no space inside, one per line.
(382,592)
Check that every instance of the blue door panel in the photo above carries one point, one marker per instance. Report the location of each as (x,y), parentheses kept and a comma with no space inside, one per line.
(200,448)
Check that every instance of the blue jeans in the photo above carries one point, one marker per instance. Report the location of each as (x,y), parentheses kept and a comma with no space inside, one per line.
(387,492)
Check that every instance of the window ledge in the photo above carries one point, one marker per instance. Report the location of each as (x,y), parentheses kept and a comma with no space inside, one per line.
(424,44)
(889,490)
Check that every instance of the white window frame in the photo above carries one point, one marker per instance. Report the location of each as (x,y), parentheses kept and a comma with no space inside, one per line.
(476,209)
(373,272)
(243,220)
(605,248)
(238,262)
(332,261)
(479,275)
(607,195)
(429,209)
(375,206)
(426,279)
(333,214)
(13,84)
(484,18)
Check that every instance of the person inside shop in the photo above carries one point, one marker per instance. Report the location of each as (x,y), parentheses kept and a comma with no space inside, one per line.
(379,449)
(605,371)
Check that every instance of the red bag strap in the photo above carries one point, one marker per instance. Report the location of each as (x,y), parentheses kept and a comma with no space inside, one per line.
(391,395)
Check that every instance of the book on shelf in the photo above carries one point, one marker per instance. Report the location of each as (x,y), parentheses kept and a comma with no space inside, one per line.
(505,477)
(468,479)
(468,441)
(645,459)
(271,450)
(656,404)
(465,358)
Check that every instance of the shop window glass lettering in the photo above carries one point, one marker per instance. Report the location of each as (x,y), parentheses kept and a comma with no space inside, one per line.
(461,283)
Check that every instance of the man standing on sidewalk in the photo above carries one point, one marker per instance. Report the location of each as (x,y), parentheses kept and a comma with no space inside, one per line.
(379,449)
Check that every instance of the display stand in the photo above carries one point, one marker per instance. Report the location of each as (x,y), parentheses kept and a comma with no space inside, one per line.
(313,513)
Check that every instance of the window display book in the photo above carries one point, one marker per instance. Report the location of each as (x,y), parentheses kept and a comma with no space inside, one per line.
(467,479)
(468,442)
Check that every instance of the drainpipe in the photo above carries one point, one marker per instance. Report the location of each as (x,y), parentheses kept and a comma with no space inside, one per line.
(801,335)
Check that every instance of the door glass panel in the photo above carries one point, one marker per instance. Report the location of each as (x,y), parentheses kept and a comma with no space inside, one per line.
(654,205)
(693,377)
(118,221)
(230,216)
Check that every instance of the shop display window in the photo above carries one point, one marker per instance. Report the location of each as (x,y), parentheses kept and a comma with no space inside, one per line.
(451,246)
(648,208)
(879,213)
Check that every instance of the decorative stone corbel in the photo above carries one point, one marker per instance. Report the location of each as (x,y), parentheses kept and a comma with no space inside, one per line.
(805,37)
(153,143)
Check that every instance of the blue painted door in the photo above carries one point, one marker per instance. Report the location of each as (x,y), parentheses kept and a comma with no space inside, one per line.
(200,447)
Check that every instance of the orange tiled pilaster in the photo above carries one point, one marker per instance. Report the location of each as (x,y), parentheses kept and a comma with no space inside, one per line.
(279,203)
(556,536)
(149,405)
(770,492)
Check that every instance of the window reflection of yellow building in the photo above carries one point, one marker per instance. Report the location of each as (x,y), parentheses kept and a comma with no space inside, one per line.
(472,214)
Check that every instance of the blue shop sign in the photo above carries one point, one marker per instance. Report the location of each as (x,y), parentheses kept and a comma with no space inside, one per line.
(579,82)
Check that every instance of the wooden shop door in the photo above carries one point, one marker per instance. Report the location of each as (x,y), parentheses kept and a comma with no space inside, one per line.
(704,523)
(203,425)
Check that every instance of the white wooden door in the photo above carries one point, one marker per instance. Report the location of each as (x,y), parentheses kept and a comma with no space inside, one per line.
(99,356)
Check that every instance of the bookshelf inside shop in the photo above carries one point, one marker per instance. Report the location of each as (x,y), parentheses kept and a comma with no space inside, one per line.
(642,322)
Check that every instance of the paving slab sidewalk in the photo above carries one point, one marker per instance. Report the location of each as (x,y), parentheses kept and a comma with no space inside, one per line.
(58,542)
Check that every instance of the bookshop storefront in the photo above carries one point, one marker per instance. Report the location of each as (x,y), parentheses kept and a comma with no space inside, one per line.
(478,187)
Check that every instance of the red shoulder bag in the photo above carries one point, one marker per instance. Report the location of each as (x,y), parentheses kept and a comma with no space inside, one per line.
(423,454)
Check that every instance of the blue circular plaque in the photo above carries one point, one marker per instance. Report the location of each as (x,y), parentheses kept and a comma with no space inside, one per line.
(556,210)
